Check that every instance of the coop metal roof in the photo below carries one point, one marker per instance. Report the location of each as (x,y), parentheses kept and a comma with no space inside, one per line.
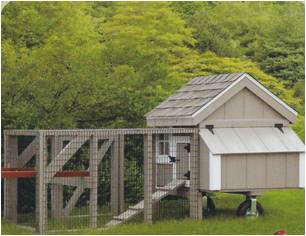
(251,140)
(189,105)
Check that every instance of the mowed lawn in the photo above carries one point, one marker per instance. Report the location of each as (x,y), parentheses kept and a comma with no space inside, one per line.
(284,209)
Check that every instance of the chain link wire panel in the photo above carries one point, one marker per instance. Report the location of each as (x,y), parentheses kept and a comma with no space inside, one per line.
(102,178)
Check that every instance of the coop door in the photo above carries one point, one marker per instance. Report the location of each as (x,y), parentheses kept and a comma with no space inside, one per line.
(172,158)
(182,160)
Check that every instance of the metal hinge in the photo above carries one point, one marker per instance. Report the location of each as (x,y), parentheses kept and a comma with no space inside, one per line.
(279,126)
(172,159)
(210,128)
(187,147)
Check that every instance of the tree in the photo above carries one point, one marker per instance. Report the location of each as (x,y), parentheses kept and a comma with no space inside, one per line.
(271,34)
(124,60)
(141,41)
(46,84)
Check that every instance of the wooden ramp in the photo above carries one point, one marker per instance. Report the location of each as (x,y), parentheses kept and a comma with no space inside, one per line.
(139,207)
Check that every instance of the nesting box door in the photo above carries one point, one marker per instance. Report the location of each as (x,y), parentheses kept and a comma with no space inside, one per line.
(182,160)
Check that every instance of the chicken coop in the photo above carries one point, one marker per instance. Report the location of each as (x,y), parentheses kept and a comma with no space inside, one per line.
(219,133)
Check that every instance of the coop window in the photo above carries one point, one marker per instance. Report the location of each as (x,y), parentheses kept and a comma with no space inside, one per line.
(163,144)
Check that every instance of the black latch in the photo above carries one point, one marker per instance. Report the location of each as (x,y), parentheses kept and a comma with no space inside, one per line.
(187,175)
(172,159)
(187,147)
(210,128)
(280,127)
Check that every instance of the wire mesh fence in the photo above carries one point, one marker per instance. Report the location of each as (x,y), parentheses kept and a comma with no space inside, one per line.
(99,178)
(19,193)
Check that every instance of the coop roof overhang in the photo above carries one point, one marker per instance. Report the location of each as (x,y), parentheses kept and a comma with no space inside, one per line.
(251,140)
(203,95)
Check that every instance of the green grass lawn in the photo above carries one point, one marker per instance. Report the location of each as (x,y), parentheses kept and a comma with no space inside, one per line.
(283,210)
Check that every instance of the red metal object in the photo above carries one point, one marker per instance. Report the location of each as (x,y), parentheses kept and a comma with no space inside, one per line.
(30,173)
(72,173)
(280,232)
(17,173)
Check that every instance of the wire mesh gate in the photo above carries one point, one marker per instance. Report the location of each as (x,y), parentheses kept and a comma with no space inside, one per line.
(98,178)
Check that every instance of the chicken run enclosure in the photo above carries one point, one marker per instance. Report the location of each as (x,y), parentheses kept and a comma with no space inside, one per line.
(232,135)
(97,178)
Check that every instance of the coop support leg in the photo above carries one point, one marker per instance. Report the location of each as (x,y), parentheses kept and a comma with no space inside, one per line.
(253,206)
(56,190)
(41,185)
(10,185)
(148,178)
(195,194)
(93,168)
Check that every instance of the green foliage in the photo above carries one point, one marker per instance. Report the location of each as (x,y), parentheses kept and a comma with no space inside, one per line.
(270,34)
(141,40)
(106,64)
(49,84)
(299,127)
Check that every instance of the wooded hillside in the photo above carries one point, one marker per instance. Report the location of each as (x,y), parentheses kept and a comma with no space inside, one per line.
(105,64)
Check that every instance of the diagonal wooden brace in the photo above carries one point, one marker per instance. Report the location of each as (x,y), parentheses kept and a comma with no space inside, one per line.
(73,200)
(64,155)
(103,149)
(79,190)
(28,153)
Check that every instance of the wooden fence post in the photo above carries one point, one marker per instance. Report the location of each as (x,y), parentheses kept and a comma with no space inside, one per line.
(10,185)
(56,190)
(156,205)
(148,174)
(41,185)
(121,173)
(194,195)
(93,168)
(117,175)
(114,177)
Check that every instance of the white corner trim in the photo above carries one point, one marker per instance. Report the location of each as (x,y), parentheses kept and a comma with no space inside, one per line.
(219,95)
(214,172)
(302,170)
(271,94)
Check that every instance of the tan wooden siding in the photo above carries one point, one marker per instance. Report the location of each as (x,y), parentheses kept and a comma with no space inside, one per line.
(231,167)
(204,165)
(256,168)
(245,105)
(292,166)
(259,171)
(276,170)
(234,108)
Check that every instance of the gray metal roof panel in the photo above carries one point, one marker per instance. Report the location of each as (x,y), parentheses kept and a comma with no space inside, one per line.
(251,140)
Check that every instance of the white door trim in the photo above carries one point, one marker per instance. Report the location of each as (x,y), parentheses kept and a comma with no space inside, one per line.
(214,172)
(302,170)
